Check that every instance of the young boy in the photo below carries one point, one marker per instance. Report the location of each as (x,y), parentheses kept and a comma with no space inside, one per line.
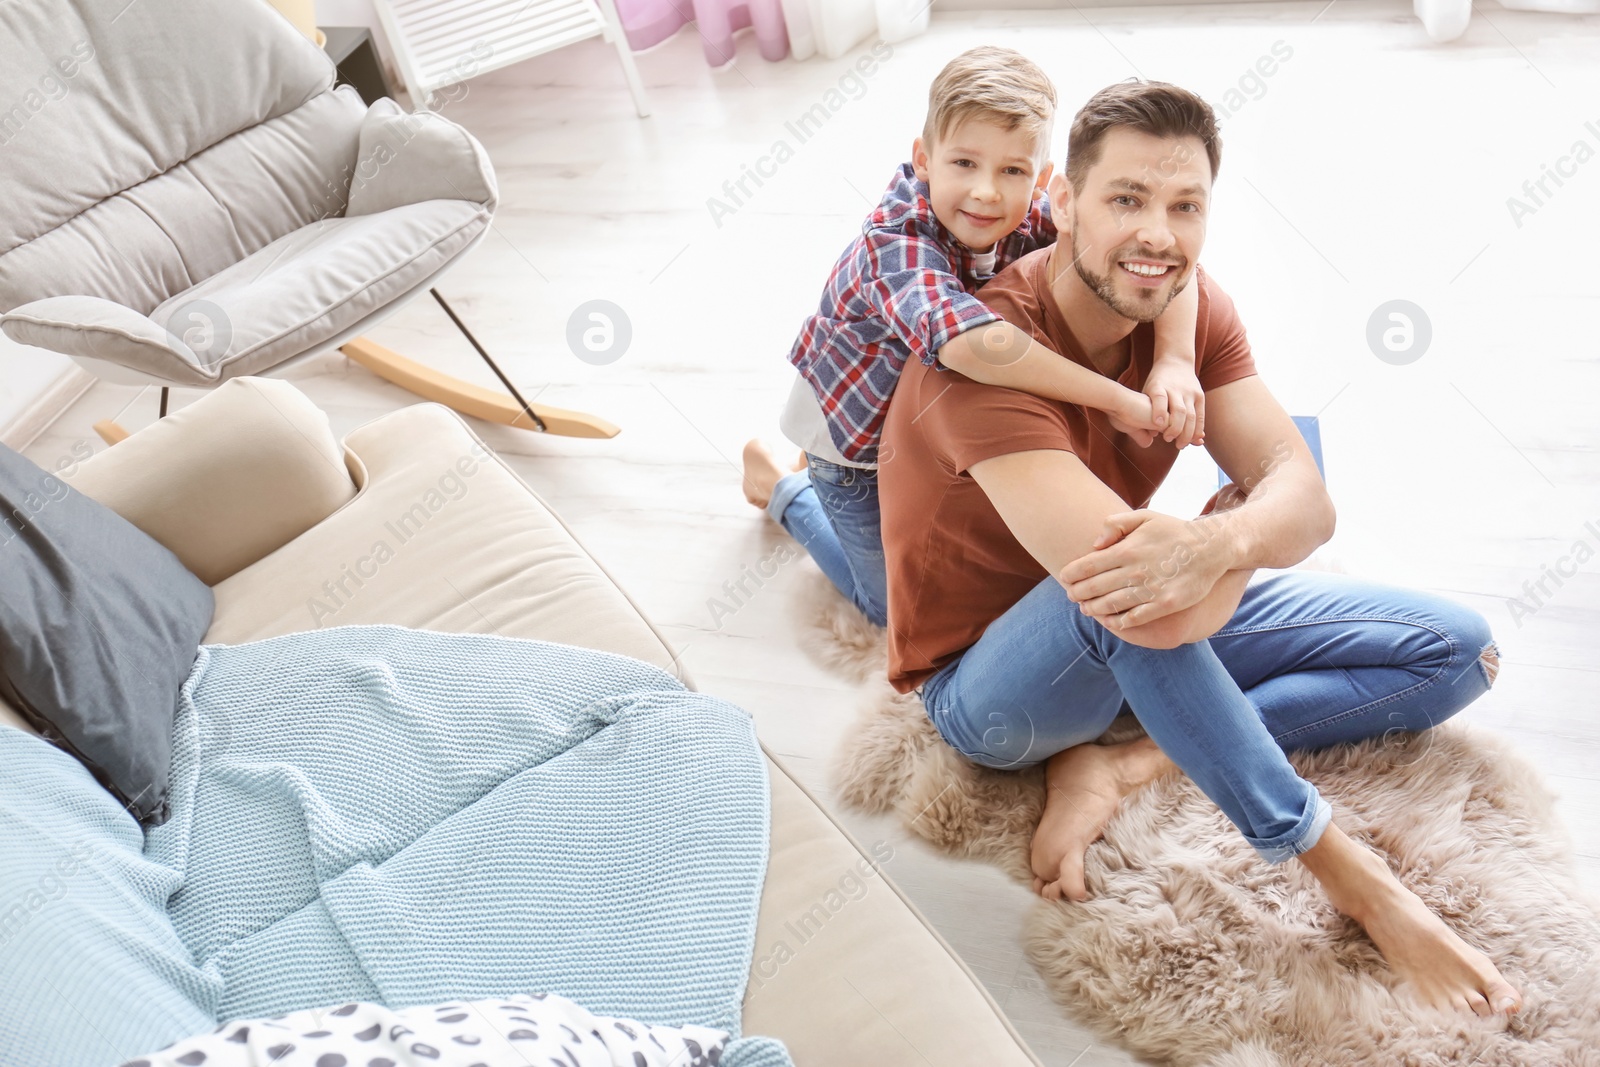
(970,202)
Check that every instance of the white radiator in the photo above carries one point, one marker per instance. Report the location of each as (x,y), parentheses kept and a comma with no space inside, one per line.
(443,42)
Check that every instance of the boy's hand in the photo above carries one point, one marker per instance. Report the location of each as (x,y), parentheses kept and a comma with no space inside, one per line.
(1134,417)
(1177,403)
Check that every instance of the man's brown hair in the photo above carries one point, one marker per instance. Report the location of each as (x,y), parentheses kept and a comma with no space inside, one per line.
(996,84)
(1156,108)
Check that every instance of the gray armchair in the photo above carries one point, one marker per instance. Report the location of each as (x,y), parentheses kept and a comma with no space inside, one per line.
(190,200)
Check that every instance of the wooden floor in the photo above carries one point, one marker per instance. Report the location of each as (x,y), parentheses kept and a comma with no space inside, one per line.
(1370,166)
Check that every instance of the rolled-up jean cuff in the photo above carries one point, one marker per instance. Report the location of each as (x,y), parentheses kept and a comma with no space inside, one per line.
(1303,838)
(783,493)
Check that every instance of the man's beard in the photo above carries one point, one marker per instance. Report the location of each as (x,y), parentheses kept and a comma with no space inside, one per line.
(1103,287)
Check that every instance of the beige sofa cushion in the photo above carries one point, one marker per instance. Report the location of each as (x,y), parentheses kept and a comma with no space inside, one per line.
(858,979)
(270,469)
(9,717)
(443,536)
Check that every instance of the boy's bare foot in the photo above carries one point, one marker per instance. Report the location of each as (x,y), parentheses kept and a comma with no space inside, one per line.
(1084,785)
(1437,967)
(761,471)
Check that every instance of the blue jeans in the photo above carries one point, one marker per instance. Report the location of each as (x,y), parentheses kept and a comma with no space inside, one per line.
(833,511)
(1308,660)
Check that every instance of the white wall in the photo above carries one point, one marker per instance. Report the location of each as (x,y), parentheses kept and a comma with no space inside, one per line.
(346,13)
(360,13)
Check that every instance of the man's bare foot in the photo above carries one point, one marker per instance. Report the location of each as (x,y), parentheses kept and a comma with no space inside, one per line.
(761,471)
(1438,968)
(1084,785)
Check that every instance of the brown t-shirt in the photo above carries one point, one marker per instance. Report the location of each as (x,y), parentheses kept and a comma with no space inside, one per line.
(953,565)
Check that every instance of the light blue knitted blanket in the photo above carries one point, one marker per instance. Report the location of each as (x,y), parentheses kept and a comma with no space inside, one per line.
(372,813)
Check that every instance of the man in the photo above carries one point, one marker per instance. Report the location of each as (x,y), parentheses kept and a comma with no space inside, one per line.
(1029,605)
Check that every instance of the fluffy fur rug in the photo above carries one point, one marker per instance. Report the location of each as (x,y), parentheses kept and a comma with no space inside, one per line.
(1192,952)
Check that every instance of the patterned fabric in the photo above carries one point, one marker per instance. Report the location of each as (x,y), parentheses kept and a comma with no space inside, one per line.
(513,1031)
(899,291)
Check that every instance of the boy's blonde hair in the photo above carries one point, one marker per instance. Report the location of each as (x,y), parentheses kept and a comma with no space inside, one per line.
(998,85)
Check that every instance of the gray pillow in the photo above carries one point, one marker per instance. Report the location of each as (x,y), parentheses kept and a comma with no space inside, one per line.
(99,625)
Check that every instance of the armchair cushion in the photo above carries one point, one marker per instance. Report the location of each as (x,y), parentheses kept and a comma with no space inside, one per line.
(110,97)
(90,326)
(291,296)
(312,285)
(157,238)
(406,159)
(208,184)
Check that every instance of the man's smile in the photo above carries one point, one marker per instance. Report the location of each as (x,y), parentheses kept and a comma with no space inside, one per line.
(1147,273)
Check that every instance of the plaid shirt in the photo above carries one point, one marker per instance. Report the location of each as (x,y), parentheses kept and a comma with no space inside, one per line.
(899,290)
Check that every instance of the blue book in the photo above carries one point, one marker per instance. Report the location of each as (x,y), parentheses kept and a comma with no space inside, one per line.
(1311,431)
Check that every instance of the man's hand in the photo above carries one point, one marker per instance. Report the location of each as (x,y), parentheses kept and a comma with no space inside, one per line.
(1144,566)
(1075,526)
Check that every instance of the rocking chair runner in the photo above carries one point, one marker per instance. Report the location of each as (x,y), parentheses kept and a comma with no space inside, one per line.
(194,201)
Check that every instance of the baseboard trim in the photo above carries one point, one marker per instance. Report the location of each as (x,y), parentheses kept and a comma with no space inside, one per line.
(46,408)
